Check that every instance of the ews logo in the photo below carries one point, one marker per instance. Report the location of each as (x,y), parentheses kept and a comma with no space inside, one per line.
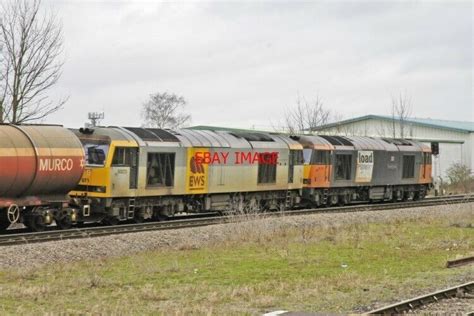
(196,175)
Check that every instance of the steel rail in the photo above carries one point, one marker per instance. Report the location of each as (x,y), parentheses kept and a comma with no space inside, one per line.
(460,262)
(88,232)
(420,301)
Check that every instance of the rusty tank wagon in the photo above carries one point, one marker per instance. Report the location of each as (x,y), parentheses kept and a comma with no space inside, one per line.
(39,165)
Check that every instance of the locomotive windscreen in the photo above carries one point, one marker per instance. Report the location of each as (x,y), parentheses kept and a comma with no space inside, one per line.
(96,149)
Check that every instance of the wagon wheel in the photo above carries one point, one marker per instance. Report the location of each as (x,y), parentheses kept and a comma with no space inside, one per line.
(4,223)
(13,213)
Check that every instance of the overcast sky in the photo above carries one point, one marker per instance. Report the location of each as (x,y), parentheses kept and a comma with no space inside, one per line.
(240,64)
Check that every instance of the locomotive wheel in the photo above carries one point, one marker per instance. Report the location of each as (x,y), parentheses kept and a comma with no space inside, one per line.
(340,201)
(138,219)
(35,223)
(418,196)
(64,223)
(405,196)
(394,198)
(162,218)
(110,221)
(344,199)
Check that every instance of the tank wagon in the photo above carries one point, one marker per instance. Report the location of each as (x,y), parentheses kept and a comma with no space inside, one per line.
(340,169)
(39,165)
(143,173)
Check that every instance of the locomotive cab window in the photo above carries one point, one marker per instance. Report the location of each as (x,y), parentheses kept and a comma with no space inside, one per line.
(408,167)
(160,169)
(343,167)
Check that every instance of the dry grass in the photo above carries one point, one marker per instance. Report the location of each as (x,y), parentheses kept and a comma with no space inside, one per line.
(260,264)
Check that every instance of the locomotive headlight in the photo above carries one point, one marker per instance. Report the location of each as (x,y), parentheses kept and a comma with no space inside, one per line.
(100,189)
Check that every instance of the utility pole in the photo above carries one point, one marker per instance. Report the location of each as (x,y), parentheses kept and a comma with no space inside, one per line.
(95,118)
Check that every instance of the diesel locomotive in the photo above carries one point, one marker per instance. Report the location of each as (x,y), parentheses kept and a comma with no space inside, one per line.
(115,174)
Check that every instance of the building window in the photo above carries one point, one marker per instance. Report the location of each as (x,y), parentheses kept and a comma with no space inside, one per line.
(343,167)
(321,157)
(266,173)
(160,169)
(408,167)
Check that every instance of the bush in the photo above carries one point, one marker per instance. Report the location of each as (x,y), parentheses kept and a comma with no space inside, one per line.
(459,175)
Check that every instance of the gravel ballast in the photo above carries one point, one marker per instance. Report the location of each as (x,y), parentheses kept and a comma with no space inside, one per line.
(39,254)
(452,306)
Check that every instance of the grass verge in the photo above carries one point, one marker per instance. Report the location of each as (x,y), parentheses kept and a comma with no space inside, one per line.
(256,269)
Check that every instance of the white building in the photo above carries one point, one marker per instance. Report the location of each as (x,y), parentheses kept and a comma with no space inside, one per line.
(455,138)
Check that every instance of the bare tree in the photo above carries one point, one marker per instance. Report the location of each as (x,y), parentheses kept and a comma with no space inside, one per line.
(31,44)
(401,111)
(163,111)
(306,116)
(3,74)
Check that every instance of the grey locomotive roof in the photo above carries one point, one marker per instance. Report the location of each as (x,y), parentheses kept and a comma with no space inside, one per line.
(286,139)
(193,138)
(362,143)
(232,139)
(114,133)
(313,139)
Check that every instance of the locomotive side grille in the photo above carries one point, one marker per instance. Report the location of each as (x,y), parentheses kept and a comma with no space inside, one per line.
(337,140)
(164,135)
(396,141)
(344,141)
(253,137)
(153,134)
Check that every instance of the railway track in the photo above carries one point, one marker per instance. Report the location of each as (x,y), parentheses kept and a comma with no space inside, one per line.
(417,303)
(89,232)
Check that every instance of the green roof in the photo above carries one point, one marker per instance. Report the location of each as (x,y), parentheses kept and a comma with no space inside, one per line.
(458,126)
